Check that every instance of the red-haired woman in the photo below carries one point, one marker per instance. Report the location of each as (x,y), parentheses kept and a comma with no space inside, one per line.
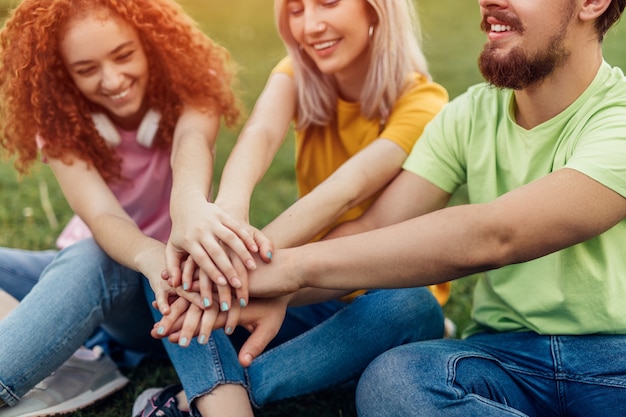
(123,99)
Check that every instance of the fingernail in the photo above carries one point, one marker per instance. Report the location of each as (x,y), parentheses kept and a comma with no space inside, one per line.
(222,281)
(236,283)
(202,340)
(183,341)
(269,254)
(161,330)
(224,306)
(242,302)
(185,286)
(250,264)
(206,302)
(229,330)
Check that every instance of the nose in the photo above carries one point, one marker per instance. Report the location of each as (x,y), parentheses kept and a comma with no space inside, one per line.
(112,78)
(313,21)
(490,4)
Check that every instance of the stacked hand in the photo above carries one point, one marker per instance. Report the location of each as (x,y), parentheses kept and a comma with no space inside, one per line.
(208,264)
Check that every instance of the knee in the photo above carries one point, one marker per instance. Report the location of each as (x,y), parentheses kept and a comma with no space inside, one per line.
(381,385)
(83,264)
(82,251)
(415,312)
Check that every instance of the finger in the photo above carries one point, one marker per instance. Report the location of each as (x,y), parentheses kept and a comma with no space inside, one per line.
(242,230)
(173,335)
(266,246)
(225,297)
(219,256)
(206,325)
(256,343)
(190,326)
(162,301)
(235,244)
(205,289)
(173,260)
(168,323)
(193,297)
(241,293)
(189,268)
(232,319)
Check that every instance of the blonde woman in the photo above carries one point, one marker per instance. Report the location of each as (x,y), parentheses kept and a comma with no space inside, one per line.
(356,86)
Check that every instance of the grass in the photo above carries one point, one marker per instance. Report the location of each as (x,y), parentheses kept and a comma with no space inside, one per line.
(452,43)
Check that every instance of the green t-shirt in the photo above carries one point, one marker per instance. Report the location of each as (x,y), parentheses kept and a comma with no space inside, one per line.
(475,141)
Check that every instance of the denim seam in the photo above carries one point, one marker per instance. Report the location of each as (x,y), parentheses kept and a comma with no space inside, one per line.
(451,377)
(7,395)
(561,376)
(555,350)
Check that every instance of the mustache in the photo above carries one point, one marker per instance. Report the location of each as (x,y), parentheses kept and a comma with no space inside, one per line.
(502,17)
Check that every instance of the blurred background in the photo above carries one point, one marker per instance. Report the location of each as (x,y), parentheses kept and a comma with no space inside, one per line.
(33,210)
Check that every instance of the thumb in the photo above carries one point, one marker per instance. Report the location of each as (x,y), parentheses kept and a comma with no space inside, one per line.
(260,337)
(173,260)
(161,301)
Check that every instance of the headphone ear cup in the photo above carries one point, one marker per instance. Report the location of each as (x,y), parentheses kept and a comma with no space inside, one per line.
(148,128)
(106,129)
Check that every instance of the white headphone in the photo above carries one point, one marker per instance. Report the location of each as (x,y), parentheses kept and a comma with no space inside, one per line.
(145,133)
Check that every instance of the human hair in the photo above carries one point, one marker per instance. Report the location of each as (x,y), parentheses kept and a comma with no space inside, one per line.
(395,54)
(39,97)
(610,17)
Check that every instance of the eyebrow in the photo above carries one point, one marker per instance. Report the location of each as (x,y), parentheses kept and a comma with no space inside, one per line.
(114,51)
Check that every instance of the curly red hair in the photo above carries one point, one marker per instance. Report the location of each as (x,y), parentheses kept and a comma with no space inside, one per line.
(38,96)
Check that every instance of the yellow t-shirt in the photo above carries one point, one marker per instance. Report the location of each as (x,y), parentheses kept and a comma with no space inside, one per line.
(320,150)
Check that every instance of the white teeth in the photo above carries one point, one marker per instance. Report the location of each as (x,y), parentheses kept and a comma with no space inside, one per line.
(500,28)
(120,95)
(324,45)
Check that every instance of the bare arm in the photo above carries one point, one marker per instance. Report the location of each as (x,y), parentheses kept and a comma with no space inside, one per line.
(198,226)
(359,178)
(257,145)
(90,197)
(564,208)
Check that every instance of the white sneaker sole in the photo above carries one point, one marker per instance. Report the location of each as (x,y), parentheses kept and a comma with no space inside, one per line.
(83,400)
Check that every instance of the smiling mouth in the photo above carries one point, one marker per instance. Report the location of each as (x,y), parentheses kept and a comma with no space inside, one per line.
(324,45)
(121,95)
(501,28)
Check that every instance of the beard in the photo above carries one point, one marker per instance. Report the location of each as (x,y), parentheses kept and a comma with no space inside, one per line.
(520,69)
(516,70)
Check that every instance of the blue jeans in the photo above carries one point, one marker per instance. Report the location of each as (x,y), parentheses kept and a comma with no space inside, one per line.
(509,374)
(20,269)
(79,291)
(334,347)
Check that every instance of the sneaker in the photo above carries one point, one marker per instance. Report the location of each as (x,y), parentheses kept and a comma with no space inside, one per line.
(88,376)
(159,402)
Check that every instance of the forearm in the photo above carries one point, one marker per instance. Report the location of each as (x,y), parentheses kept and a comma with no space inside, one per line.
(308,296)
(427,250)
(192,162)
(303,220)
(123,241)
(257,144)
(358,179)
(246,166)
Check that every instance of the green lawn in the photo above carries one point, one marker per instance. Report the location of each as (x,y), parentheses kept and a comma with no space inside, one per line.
(33,210)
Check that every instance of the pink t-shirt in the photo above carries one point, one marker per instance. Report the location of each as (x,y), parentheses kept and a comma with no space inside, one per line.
(145,195)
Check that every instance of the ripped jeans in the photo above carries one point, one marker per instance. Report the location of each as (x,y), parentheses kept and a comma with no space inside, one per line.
(320,346)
